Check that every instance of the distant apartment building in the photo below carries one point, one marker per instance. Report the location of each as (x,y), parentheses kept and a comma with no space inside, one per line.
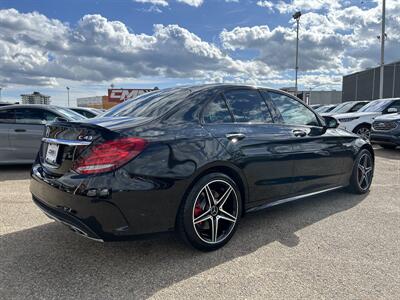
(35,98)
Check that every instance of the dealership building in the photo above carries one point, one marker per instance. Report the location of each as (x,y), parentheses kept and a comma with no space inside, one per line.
(364,85)
(316,97)
(114,97)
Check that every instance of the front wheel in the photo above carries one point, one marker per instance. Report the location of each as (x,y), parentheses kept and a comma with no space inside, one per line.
(210,214)
(363,172)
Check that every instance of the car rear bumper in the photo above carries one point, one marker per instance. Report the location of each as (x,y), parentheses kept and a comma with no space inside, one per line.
(71,222)
(385,138)
(130,211)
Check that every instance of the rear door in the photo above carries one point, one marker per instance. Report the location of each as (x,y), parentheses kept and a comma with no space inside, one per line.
(27,132)
(322,157)
(7,117)
(240,119)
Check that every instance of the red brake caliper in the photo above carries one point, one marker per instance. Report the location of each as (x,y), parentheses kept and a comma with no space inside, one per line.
(198,211)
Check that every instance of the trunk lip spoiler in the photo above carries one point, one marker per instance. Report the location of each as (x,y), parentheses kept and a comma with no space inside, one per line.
(66,142)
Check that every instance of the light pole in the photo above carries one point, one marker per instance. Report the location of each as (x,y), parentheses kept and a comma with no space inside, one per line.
(383,35)
(297,16)
(68,95)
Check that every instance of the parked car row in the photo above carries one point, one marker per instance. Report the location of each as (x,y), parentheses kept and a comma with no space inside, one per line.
(22,128)
(325,108)
(346,107)
(386,131)
(377,120)
(360,122)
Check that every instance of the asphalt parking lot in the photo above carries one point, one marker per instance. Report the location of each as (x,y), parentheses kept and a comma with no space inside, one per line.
(336,245)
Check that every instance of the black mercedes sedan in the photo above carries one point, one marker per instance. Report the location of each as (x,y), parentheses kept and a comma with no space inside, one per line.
(192,159)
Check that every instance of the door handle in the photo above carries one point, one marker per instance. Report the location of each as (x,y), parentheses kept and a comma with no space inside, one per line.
(299,133)
(235,136)
(20,130)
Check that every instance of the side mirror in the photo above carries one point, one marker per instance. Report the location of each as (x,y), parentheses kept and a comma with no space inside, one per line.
(392,110)
(331,122)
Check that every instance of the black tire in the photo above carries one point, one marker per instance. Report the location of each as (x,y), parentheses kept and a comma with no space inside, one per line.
(363,130)
(357,185)
(196,207)
(386,146)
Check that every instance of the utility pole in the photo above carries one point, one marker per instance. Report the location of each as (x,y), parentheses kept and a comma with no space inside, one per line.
(297,16)
(383,36)
(68,95)
(0,92)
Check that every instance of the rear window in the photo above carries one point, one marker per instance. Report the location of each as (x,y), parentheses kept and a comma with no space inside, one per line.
(247,106)
(216,111)
(152,104)
(7,116)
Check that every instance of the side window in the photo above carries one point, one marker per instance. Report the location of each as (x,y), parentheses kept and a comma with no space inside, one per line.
(49,116)
(29,116)
(292,111)
(7,116)
(248,106)
(217,112)
(395,104)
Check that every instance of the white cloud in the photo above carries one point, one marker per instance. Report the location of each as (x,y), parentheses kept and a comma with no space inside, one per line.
(267,4)
(303,5)
(39,50)
(340,40)
(154,2)
(195,3)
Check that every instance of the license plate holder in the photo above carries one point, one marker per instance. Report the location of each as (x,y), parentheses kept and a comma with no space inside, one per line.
(52,153)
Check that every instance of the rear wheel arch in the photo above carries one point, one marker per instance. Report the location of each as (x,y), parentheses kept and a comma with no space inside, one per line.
(361,125)
(369,148)
(231,171)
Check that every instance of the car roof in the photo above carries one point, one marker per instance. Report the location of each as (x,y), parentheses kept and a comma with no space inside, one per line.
(83,108)
(220,87)
(385,99)
(41,106)
(217,86)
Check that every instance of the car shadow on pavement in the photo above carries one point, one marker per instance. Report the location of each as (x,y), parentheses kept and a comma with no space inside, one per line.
(15,172)
(49,261)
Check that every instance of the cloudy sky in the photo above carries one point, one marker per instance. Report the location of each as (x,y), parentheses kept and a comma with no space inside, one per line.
(46,45)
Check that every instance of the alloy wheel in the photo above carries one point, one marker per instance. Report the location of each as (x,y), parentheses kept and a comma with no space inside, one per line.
(364,132)
(364,174)
(215,211)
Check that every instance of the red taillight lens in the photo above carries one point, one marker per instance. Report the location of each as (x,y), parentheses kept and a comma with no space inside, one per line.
(109,155)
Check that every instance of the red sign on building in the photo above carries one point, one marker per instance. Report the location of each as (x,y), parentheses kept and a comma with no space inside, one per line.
(121,95)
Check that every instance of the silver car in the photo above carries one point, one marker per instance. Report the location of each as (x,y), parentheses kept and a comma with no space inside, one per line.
(21,130)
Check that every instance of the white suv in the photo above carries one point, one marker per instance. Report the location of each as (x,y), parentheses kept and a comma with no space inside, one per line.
(360,122)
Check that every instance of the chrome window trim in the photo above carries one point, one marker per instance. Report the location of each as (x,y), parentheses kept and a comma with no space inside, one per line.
(66,142)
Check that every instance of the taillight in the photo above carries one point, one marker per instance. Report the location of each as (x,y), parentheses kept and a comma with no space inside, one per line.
(109,155)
